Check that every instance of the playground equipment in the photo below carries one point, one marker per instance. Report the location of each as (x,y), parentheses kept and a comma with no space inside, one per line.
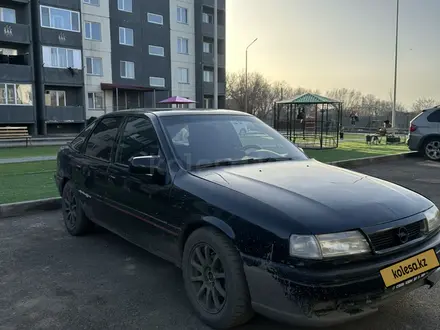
(310,121)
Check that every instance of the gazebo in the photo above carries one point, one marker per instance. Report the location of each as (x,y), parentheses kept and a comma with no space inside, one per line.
(310,121)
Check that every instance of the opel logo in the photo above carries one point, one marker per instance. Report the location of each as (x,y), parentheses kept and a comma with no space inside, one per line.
(7,30)
(403,235)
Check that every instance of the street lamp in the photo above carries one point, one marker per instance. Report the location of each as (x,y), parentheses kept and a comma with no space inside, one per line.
(246,77)
(393,113)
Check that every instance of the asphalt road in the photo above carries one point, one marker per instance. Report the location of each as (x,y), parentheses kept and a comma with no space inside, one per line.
(49,280)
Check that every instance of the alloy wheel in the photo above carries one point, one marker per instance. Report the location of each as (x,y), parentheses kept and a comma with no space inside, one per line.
(432,150)
(207,277)
(70,205)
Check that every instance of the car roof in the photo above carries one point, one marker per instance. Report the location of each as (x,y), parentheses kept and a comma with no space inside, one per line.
(166,112)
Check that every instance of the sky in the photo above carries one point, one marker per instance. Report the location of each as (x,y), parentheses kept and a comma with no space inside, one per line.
(325,44)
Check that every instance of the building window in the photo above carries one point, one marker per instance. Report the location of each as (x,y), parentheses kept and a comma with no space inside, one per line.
(95,100)
(157,82)
(8,51)
(208,102)
(208,47)
(125,5)
(94,66)
(182,15)
(182,45)
(57,57)
(127,70)
(183,75)
(208,76)
(15,94)
(207,18)
(156,50)
(93,31)
(7,15)
(126,36)
(61,19)
(55,98)
(92,2)
(155,18)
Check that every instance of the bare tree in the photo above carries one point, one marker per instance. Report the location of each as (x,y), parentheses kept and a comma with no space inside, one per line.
(350,97)
(423,103)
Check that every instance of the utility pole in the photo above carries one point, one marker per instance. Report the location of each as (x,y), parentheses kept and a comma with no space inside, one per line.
(246,77)
(393,114)
(215,55)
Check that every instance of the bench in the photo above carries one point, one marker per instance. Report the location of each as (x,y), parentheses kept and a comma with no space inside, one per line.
(10,132)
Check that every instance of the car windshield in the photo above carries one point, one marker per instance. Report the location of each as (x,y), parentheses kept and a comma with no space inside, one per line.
(211,140)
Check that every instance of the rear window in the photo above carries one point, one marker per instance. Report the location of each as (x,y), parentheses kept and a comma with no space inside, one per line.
(434,117)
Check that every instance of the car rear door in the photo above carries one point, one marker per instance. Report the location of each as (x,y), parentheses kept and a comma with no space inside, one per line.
(140,204)
(434,122)
(93,168)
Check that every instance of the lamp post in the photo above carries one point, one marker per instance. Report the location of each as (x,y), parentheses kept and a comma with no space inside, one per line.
(246,77)
(393,113)
(215,55)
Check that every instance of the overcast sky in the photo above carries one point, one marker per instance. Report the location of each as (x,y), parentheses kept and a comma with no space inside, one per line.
(327,44)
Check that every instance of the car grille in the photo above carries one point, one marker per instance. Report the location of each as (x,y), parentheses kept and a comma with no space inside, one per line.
(390,238)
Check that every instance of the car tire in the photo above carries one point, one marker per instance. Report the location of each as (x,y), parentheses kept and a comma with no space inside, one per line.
(221,274)
(74,219)
(428,146)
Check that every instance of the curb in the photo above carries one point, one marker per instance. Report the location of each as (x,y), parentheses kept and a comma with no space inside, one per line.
(21,208)
(49,204)
(358,162)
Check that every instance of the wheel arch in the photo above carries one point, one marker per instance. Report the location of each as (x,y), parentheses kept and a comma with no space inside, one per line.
(428,138)
(208,221)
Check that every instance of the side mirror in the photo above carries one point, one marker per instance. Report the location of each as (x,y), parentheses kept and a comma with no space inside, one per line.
(149,165)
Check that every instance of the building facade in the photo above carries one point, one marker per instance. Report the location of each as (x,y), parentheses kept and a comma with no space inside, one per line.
(62,62)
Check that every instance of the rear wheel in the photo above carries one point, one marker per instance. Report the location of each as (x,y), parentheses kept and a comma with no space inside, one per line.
(431,149)
(214,280)
(74,218)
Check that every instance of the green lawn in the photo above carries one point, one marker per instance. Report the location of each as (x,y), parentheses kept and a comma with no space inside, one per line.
(28,181)
(18,152)
(353,149)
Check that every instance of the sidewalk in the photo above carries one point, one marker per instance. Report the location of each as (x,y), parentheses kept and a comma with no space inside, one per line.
(26,159)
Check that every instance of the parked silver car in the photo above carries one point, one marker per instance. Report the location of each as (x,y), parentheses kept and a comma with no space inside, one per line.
(424,133)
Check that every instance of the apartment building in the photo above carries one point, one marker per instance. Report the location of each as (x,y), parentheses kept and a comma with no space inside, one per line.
(62,62)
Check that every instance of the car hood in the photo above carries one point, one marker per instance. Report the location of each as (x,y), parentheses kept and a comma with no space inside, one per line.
(321,197)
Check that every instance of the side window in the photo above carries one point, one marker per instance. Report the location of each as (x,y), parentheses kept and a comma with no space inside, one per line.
(434,117)
(101,141)
(78,142)
(138,139)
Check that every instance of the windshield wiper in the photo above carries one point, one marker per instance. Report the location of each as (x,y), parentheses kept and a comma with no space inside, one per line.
(242,162)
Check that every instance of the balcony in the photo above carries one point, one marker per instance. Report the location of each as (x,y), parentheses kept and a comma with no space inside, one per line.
(60,37)
(208,30)
(68,114)
(17,114)
(17,33)
(15,73)
(63,77)
(208,88)
(208,59)
(220,3)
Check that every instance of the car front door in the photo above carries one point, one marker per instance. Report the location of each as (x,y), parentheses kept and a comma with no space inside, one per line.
(140,201)
(93,164)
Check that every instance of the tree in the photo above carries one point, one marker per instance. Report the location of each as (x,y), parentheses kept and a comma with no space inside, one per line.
(350,97)
(423,103)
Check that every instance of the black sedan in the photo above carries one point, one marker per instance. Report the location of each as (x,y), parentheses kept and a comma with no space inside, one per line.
(255,225)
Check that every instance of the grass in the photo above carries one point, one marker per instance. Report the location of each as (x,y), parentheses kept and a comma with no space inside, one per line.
(20,152)
(29,181)
(354,149)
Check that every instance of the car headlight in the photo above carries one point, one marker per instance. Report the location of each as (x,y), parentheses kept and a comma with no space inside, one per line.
(328,245)
(432,218)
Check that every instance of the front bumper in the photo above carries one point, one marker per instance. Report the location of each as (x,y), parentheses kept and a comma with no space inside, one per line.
(280,292)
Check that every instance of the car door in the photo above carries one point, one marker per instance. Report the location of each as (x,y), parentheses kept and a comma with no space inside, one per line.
(140,202)
(93,166)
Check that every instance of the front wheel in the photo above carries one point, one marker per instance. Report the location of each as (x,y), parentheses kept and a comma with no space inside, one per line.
(214,280)
(431,149)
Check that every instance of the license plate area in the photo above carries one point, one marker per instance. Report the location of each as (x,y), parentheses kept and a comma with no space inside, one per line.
(409,268)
